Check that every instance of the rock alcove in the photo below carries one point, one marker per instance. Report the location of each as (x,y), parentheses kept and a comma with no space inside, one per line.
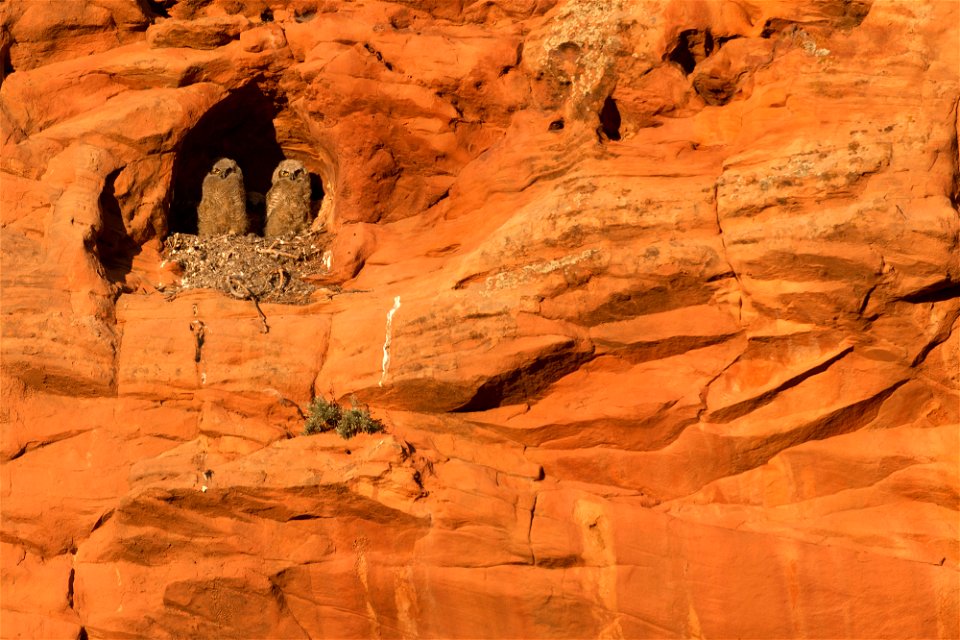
(241,126)
(247,126)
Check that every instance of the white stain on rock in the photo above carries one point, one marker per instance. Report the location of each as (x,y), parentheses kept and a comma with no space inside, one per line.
(388,338)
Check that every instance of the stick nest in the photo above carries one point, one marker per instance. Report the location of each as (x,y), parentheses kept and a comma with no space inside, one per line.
(250,267)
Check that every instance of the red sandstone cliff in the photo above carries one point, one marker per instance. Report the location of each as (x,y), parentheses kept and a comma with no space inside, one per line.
(673,299)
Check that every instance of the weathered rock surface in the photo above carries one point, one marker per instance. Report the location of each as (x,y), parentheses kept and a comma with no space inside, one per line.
(658,301)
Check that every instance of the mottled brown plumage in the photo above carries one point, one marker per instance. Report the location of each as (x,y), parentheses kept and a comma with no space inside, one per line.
(223,208)
(288,201)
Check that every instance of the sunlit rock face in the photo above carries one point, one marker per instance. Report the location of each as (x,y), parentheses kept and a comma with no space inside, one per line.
(658,302)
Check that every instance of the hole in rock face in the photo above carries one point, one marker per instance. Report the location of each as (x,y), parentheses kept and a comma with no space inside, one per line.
(304,14)
(715,91)
(556,125)
(609,120)
(158,7)
(266,15)
(7,64)
(316,189)
(839,15)
(239,127)
(774,26)
(692,46)
(115,248)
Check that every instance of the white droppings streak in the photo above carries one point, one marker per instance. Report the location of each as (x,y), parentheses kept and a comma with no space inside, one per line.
(327,260)
(386,341)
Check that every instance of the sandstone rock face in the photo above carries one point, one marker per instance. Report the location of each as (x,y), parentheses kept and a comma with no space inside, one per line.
(658,301)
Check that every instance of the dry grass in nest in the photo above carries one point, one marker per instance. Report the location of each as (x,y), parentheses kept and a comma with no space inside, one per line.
(250,267)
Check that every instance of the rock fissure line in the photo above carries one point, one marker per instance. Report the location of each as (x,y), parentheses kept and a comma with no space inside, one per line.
(726,252)
(840,421)
(943,334)
(742,408)
(35,445)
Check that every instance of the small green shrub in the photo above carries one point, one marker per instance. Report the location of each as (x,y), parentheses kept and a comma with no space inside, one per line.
(322,416)
(326,415)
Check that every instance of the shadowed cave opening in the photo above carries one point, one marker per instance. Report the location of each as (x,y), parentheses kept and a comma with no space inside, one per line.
(115,248)
(6,62)
(691,47)
(241,127)
(609,120)
(158,7)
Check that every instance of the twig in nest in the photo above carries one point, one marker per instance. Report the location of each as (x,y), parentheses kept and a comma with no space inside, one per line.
(283,279)
(275,253)
(249,295)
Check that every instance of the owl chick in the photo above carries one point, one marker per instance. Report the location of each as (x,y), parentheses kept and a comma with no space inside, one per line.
(223,208)
(288,201)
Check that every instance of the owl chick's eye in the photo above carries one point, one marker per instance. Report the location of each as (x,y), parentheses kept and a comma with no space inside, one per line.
(215,171)
(284,173)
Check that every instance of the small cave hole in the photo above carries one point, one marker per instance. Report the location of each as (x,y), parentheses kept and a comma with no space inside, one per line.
(238,127)
(70,580)
(722,40)
(556,125)
(304,14)
(6,62)
(83,634)
(569,49)
(400,20)
(316,194)
(691,47)
(316,188)
(715,92)
(609,120)
(158,8)
(774,26)
(266,15)
(847,14)
(115,248)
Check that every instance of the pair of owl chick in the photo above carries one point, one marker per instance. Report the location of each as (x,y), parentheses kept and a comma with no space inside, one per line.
(223,207)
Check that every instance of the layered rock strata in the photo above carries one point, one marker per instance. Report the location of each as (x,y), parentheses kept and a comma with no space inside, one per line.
(658,302)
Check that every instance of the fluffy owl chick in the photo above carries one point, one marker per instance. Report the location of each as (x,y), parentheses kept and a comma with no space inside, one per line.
(288,201)
(223,208)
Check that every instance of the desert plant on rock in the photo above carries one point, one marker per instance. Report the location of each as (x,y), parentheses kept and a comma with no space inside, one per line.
(322,416)
(327,415)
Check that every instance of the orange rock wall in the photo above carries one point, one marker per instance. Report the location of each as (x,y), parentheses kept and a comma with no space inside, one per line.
(658,301)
